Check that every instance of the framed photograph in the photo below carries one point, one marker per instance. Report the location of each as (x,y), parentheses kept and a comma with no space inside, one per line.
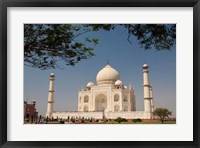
(104,73)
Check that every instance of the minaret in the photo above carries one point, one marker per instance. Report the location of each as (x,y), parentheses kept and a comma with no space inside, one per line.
(51,96)
(151,95)
(146,85)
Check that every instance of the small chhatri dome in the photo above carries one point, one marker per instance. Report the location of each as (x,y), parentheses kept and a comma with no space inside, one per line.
(145,66)
(90,84)
(118,82)
(107,75)
(52,74)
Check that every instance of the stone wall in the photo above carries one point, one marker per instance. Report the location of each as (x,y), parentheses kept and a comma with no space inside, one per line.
(108,115)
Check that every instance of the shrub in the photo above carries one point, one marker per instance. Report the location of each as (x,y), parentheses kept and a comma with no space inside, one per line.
(119,120)
(134,120)
(47,119)
(124,120)
(55,120)
(73,120)
(68,118)
(82,120)
(137,120)
(62,121)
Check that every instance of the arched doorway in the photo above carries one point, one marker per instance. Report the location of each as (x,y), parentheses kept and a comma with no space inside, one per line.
(116,98)
(100,102)
(86,99)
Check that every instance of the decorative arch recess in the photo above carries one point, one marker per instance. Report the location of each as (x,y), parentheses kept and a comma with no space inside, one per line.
(125,98)
(100,102)
(116,97)
(86,98)
(126,108)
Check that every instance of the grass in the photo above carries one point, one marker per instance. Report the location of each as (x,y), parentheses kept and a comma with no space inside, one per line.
(166,122)
(114,122)
(157,122)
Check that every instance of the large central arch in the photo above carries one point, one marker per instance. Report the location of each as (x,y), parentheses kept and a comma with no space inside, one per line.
(100,102)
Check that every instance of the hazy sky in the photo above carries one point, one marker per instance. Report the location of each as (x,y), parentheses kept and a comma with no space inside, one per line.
(126,58)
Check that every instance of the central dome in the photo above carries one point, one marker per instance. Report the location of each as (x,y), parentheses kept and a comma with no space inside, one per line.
(107,75)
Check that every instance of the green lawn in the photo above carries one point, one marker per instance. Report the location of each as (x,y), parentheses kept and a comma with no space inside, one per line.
(114,122)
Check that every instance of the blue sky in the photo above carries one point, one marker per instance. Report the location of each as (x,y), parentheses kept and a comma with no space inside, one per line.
(126,58)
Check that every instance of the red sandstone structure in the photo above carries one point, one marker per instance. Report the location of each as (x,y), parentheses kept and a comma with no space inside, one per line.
(30,112)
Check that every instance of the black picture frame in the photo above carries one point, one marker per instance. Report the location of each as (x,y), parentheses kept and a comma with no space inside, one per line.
(4,4)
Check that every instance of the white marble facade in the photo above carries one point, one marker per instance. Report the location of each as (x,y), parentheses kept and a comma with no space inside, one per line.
(109,97)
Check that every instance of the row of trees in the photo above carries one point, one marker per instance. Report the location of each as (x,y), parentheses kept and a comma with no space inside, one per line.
(33,119)
(161,113)
(70,119)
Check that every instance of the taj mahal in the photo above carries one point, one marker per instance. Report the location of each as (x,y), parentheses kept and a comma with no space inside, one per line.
(108,98)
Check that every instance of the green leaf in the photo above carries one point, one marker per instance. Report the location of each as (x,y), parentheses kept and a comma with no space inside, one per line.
(95,40)
(88,39)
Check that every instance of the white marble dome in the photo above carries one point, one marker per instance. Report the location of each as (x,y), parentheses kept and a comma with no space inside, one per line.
(90,84)
(107,75)
(118,82)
